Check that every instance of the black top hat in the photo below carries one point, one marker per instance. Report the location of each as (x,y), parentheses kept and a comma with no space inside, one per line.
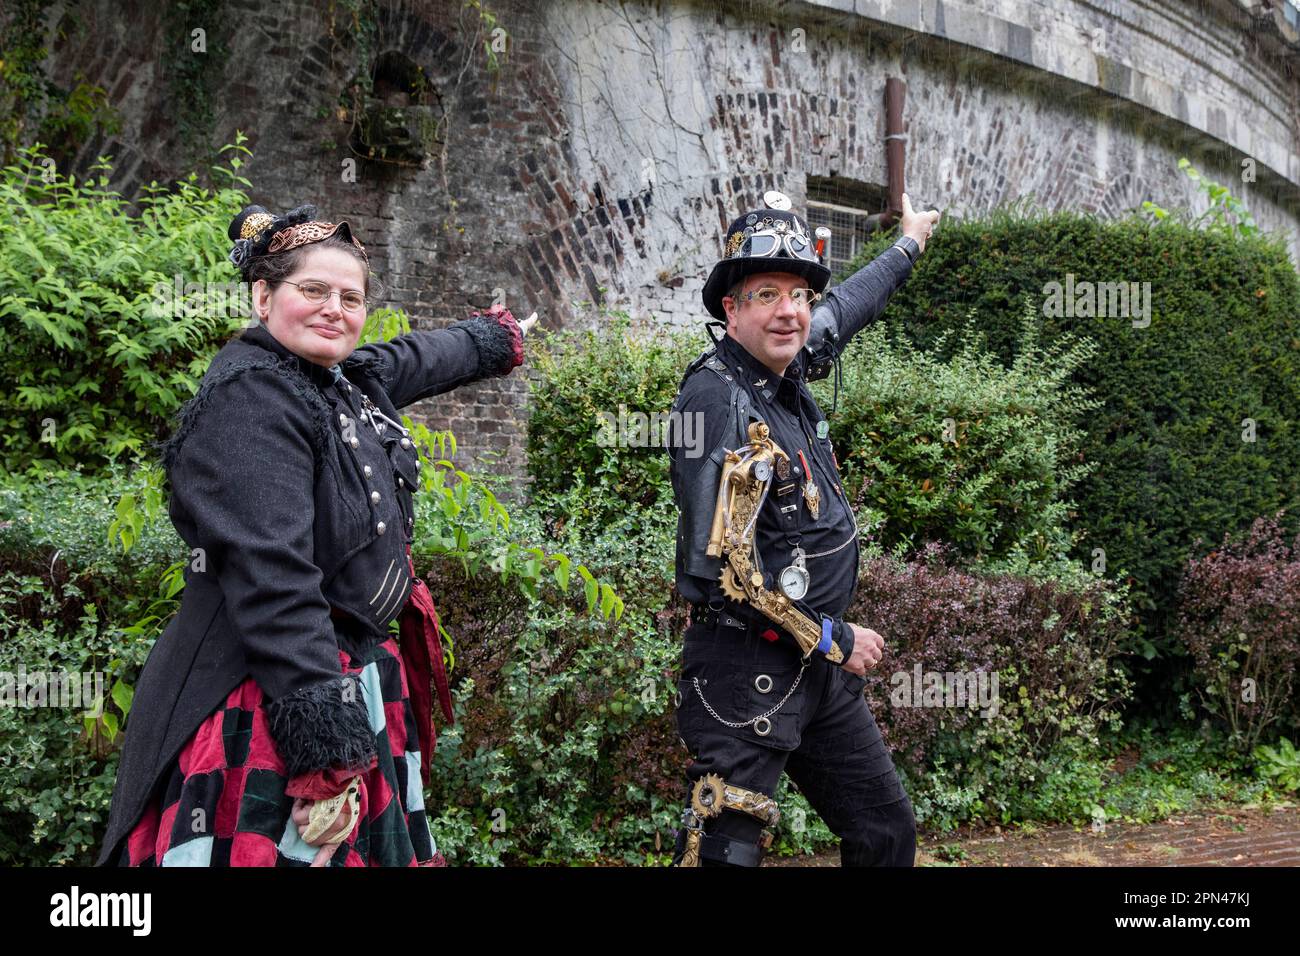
(771,239)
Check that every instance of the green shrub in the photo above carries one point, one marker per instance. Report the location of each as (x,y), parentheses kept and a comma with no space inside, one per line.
(584,383)
(1280,764)
(1169,463)
(565,749)
(963,451)
(99,350)
(71,602)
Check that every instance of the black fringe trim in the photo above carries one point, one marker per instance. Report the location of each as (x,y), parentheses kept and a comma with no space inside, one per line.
(315,728)
(496,351)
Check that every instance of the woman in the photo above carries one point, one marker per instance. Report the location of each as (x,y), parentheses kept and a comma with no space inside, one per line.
(277,721)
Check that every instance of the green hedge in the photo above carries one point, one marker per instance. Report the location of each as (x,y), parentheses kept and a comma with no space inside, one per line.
(1167,443)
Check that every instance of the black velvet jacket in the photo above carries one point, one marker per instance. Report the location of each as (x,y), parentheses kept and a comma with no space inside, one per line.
(296,512)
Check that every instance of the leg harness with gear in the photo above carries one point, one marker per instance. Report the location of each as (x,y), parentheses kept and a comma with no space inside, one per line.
(709,797)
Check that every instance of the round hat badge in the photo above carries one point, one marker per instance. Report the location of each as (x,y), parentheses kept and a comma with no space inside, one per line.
(775,200)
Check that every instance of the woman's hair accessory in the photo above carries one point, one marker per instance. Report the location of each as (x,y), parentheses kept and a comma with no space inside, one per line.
(255,232)
(313,231)
(254,224)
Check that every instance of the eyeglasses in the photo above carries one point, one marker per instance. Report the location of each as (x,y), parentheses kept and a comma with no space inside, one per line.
(768,243)
(769,296)
(317,292)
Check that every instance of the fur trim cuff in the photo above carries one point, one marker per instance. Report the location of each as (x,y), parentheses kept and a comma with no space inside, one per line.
(499,341)
(323,725)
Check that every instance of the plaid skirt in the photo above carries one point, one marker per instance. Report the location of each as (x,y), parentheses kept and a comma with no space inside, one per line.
(223,801)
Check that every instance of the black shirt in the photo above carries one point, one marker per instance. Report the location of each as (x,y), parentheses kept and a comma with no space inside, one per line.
(784,402)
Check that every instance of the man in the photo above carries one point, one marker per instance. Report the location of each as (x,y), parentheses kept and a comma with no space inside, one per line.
(772,676)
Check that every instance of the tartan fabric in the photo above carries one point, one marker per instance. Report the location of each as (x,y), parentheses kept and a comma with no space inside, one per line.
(223,803)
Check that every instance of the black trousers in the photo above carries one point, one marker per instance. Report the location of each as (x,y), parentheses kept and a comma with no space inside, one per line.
(824,737)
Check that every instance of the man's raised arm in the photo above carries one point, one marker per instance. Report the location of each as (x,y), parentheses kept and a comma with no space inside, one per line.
(862,297)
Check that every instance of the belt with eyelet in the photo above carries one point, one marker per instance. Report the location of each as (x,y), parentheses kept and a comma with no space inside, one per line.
(706,616)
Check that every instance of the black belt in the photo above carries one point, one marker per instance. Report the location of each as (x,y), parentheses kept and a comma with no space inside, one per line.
(706,616)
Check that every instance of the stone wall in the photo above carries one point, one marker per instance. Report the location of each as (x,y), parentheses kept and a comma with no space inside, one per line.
(597,164)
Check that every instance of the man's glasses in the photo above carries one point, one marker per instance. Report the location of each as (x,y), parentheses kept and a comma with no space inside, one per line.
(317,292)
(769,296)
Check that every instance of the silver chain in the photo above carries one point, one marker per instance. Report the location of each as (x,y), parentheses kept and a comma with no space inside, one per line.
(371,413)
(851,538)
(839,547)
(753,720)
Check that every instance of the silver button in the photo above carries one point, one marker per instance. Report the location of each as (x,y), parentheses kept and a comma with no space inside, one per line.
(366,469)
(405,443)
(763,683)
(401,483)
(355,443)
(762,726)
(343,419)
(381,527)
(417,464)
(374,497)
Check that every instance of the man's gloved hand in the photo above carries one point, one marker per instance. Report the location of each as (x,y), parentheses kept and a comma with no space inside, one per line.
(868,649)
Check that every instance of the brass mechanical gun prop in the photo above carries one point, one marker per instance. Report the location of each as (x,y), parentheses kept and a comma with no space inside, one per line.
(747,475)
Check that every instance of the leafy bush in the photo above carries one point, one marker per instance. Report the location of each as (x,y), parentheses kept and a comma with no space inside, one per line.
(964,451)
(1052,644)
(1173,456)
(584,384)
(71,603)
(1239,616)
(567,744)
(1280,764)
(100,349)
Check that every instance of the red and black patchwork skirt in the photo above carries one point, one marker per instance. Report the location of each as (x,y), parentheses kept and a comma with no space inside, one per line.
(223,803)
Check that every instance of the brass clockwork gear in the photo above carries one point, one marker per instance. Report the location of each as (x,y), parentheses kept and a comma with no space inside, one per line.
(731,586)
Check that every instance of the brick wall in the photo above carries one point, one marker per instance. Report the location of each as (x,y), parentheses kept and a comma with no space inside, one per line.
(599,164)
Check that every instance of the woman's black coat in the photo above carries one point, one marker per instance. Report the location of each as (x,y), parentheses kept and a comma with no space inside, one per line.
(292,506)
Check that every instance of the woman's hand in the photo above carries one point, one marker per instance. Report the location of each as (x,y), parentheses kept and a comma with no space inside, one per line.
(301,814)
(528,323)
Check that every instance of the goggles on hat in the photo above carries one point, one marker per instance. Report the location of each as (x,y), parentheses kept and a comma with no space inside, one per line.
(768,243)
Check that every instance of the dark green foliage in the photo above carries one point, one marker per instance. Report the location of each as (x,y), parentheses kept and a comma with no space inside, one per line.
(587,381)
(963,451)
(1167,443)
(70,602)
